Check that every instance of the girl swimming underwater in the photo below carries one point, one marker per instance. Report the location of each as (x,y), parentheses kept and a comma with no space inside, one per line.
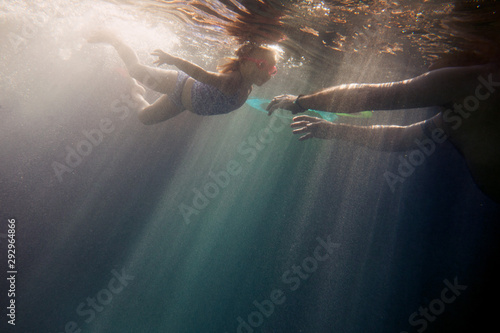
(192,87)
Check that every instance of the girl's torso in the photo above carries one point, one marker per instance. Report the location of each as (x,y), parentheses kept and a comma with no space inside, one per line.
(206,99)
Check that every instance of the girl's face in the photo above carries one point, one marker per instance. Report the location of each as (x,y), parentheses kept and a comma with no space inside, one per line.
(261,65)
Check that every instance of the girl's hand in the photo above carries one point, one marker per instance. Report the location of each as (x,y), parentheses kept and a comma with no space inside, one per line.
(163,58)
(313,128)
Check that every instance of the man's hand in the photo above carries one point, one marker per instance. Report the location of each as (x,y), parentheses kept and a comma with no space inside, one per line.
(286,102)
(313,128)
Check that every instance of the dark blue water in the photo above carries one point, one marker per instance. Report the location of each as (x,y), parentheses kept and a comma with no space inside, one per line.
(220,224)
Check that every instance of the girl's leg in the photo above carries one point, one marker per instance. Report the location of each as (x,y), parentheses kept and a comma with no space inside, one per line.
(160,80)
(157,79)
(162,109)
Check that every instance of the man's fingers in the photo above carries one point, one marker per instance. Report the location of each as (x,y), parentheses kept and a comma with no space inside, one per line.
(271,107)
(299,124)
(306,118)
(305,137)
(301,130)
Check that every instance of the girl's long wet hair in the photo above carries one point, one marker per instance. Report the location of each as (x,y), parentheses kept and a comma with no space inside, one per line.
(233,63)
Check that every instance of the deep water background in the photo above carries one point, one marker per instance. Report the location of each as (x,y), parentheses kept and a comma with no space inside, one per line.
(118,209)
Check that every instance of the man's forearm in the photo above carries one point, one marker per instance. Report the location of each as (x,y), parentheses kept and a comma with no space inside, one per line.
(378,137)
(352,98)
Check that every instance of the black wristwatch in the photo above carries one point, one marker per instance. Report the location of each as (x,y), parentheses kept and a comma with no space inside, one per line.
(296,102)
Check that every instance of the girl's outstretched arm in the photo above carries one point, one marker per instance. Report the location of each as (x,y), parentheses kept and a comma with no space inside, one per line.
(193,70)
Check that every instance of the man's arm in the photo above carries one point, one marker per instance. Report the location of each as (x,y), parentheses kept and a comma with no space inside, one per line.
(378,137)
(430,89)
